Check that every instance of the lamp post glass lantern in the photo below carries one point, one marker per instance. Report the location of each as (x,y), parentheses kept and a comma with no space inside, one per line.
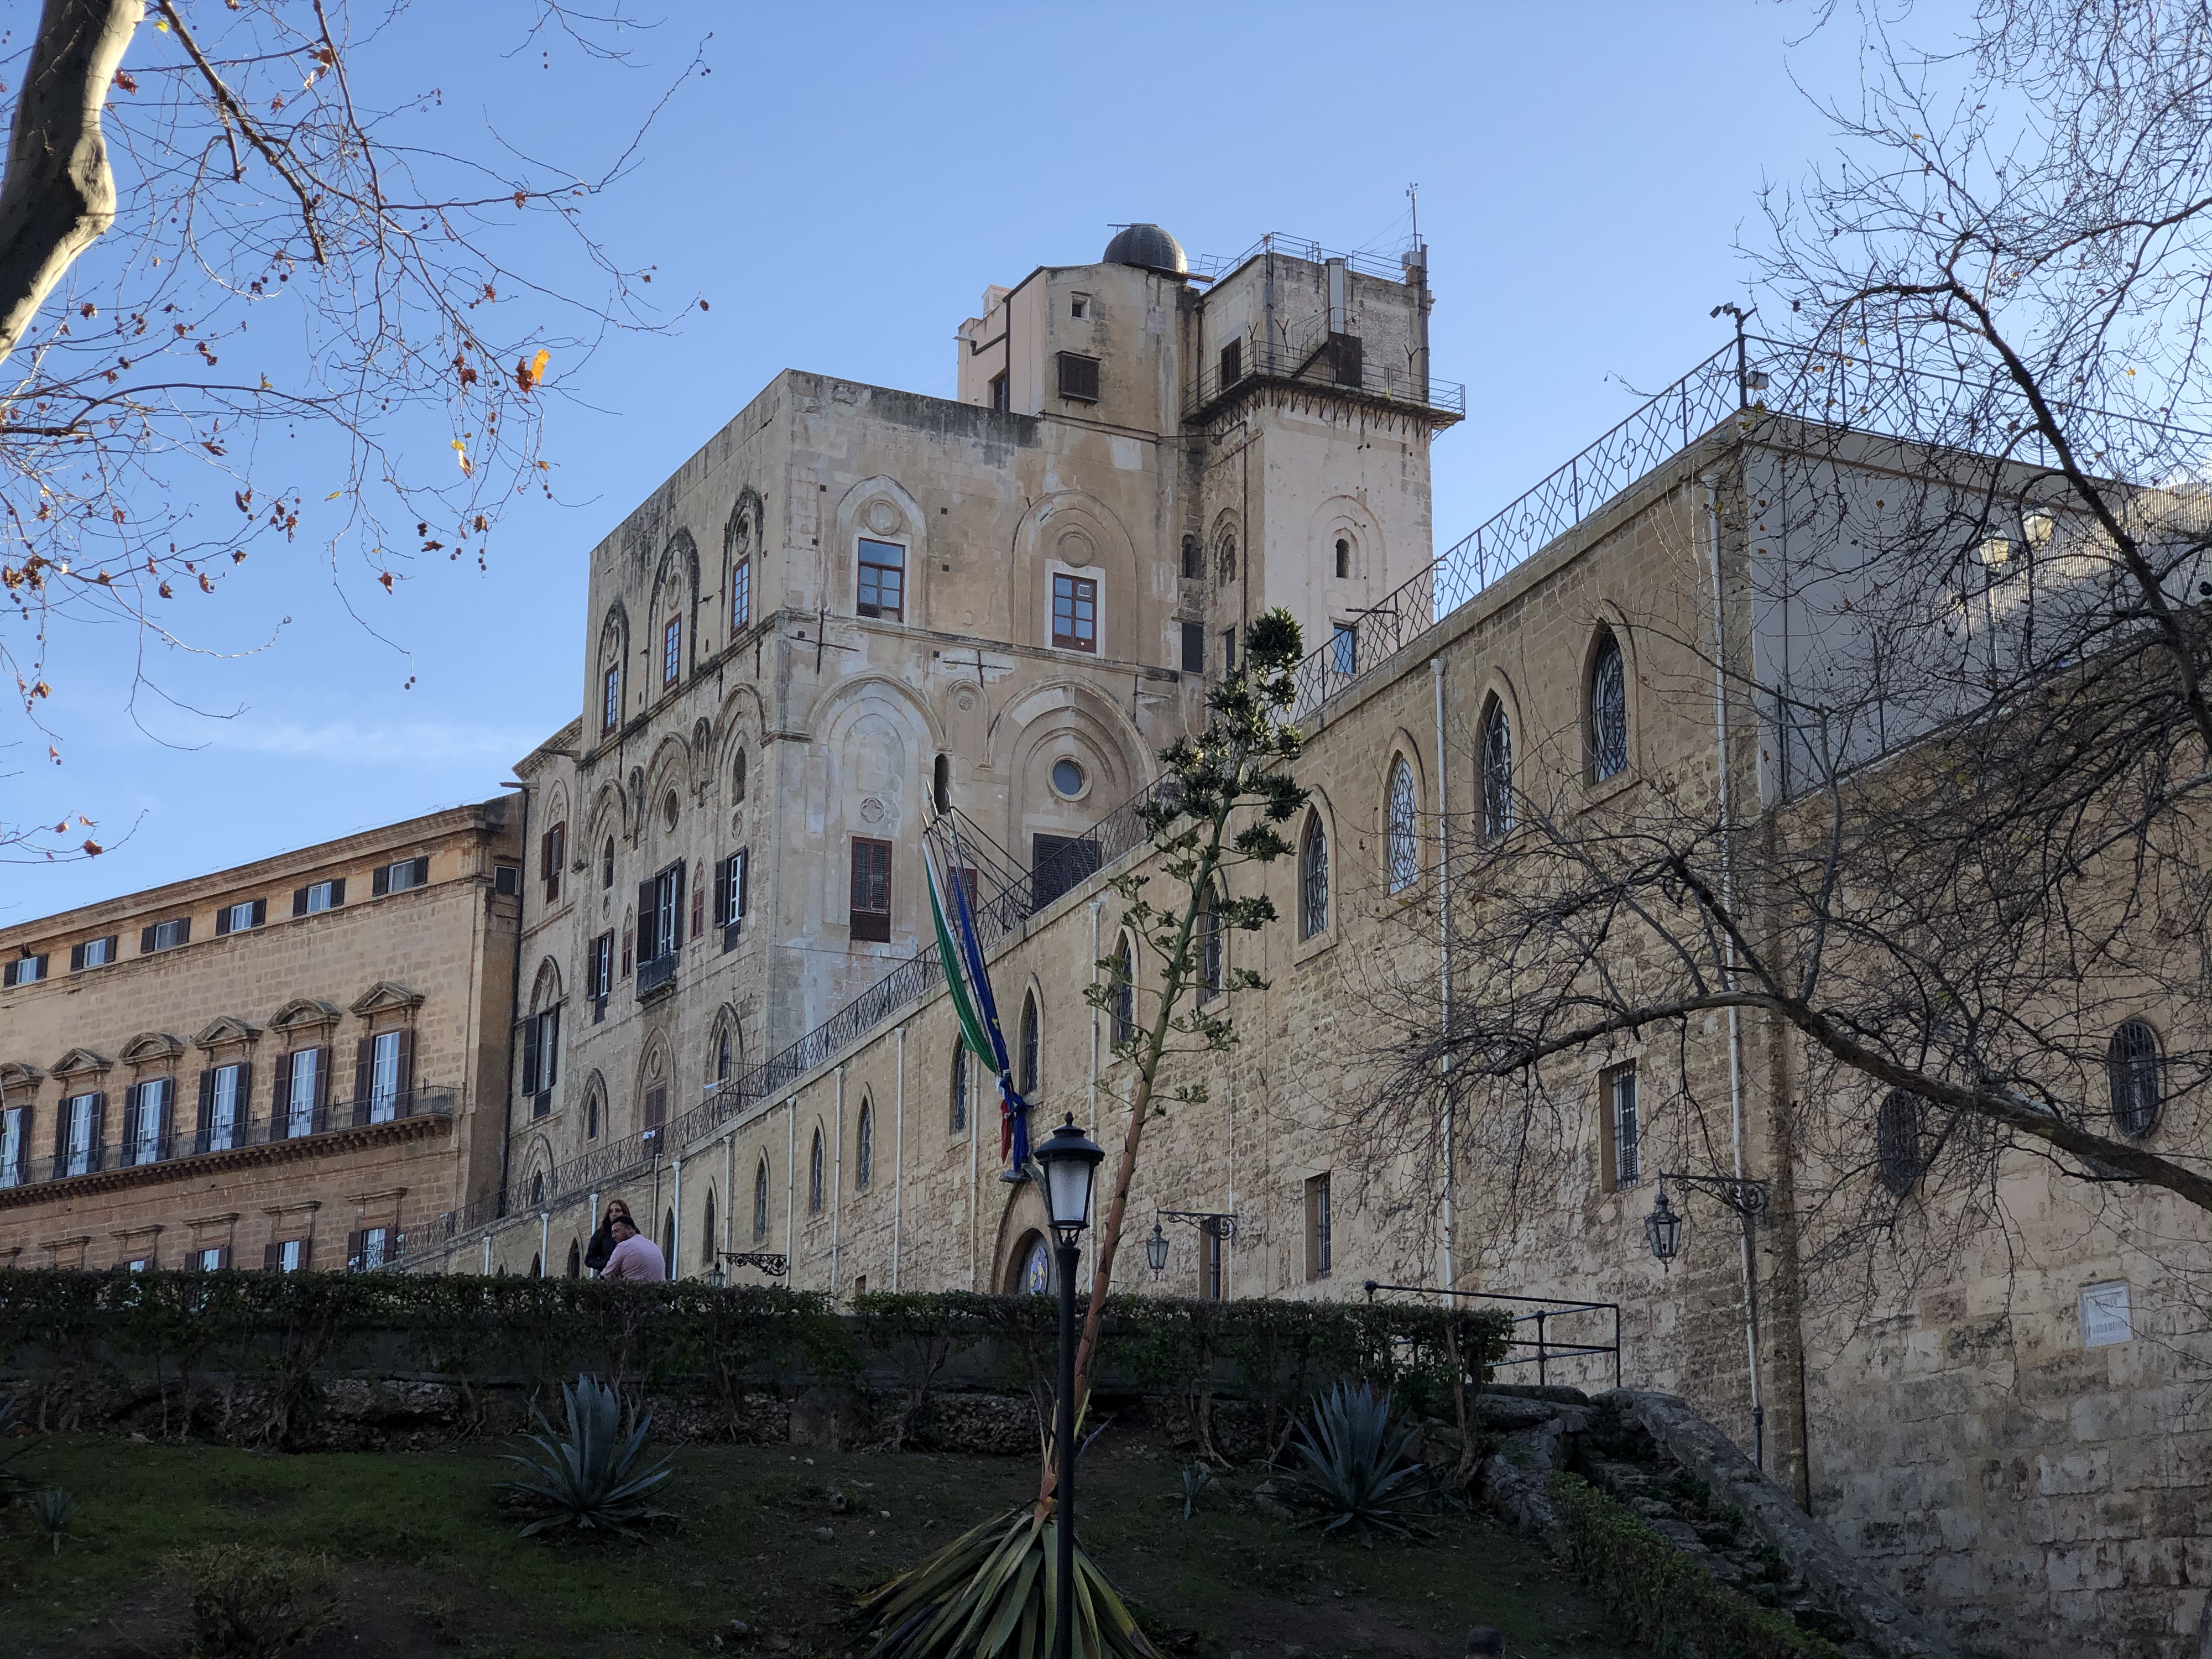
(1662,1228)
(1156,1251)
(1069,1161)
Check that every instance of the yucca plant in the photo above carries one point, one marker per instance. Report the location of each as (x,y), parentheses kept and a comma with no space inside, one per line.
(1356,1468)
(50,1513)
(592,1476)
(990,1594)
(12,1480)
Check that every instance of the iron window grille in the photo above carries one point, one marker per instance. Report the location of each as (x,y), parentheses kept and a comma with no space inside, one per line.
(1401,853)
(1497,773)
(1313,881)
(1898,1160)
(1623,1124)
(870,917)
(2131,1068)
(1609,711)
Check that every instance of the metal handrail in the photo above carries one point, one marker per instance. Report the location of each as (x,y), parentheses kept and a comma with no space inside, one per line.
(1388,266)
(1547,1308)
(1312,358)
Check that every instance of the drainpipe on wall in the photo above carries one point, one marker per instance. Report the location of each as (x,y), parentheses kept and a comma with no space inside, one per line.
(1444,961)
(899,1151)
(513,1005)
(837,1187)
(544,1243)
(1727,965)
(790,1182)
(1091,1113)
(676,1232)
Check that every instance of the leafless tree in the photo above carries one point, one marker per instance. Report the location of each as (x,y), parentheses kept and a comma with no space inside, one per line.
(1957,871)
(176,172)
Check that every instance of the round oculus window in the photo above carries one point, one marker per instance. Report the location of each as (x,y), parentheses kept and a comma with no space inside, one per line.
(669,810)
(1066,778)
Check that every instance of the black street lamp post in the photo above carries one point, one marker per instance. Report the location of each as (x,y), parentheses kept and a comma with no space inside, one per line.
(1069,1159)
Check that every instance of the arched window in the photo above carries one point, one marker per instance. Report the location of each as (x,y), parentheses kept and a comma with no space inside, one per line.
(863,1146)
(760,1200)
(1212,947)
(1225,558)
(940,785)
(737,779)
(671,651)
(607,865)
(706,1242)
(576,1260)
(722,1057)
(668,1241)
(2131,1069)
(1343,557)
(1608,709)
(1124,997)
(1898,1158)
(1313,879)
(1497,771)
(1027,1081)
(814,1177)
(959,1088)
(592,1115)
(1400,853)
(537,1190)
(536,1266)
(1035,1272)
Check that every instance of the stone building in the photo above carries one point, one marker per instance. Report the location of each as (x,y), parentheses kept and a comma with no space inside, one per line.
(2022,1461)
(292,1064)
(857,606)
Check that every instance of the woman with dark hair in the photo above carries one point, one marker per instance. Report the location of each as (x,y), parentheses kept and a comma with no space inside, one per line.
(603,1242)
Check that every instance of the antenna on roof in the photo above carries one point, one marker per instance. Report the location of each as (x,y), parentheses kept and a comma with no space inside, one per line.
(1414,196)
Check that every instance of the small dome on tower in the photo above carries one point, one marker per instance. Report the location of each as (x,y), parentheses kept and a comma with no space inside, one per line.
(1148,246)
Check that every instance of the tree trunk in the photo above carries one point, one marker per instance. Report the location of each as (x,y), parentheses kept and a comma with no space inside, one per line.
(59,195)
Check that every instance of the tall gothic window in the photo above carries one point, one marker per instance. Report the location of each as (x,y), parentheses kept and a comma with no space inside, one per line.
(707,1248)
(1211,947)
(1313,879)
(1497,771)
(1124,992)
(2131,1068)
(760,1201)
(1400,851)
(1898,1160)
(814,1177)
(1029,1059)
(864,1147)
(1608,709)
(960,1087)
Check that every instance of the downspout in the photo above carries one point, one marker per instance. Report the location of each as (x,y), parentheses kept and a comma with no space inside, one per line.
(1727,964)
(729,1196)
(513,999)
(837,1187)
(676,1232)
(898,1152)
(1090,1111)
(790,1180)
(544,1241)
(974,1208)
(1444,963)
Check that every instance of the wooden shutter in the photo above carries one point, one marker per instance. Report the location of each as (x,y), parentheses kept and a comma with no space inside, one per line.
(205,1131)
(98,1123)
(698,912)
(676,910)
(221,919)
(272,1257)
(380,883)
(260,911)
(406,1065)
(645,925)
(723,914)
(656,1107)
(61,1136)
(353,1248)
(131,1119)
(744,869)
(145,941)
(306,1252)
(322,1077)
(183,930)
(530,1055)
(337,892)
(76,958)
(299,901)
(280,1101)
(242,1102)
(422,872)
(364,1075)
(549,1031)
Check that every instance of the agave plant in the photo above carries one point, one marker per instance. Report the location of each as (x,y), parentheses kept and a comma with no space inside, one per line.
(591,1477)
(990,1592)
(1195,1478)
(1356,1464)
(50,1513)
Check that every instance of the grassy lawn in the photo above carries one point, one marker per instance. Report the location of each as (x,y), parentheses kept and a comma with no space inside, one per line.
(433,1567)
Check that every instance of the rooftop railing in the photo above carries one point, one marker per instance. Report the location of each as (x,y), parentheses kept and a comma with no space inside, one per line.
(1389,266)
(1311,356)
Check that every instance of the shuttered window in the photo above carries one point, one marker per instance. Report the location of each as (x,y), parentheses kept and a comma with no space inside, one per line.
(552,848)
(319,896)
(24,971)
(165,935)
(1078,377)
(870,913)
(225,1093)
(241,917)
(93,953)
(14,1145)
(400,877)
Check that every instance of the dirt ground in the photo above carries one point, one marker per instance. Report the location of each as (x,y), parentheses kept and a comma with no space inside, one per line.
(769,1547)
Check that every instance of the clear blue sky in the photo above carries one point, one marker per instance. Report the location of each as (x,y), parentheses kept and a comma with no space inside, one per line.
(844,184)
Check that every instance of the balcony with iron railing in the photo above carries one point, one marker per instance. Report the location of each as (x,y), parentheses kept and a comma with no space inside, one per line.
(1313,357)
(172,1147)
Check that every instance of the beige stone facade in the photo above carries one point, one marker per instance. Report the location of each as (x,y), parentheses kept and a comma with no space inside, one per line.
(300,1062)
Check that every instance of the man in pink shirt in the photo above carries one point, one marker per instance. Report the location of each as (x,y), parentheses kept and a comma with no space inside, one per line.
(636,1257)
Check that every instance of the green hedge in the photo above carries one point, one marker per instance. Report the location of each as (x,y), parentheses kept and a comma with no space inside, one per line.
(1661,1594)
(290,1329)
